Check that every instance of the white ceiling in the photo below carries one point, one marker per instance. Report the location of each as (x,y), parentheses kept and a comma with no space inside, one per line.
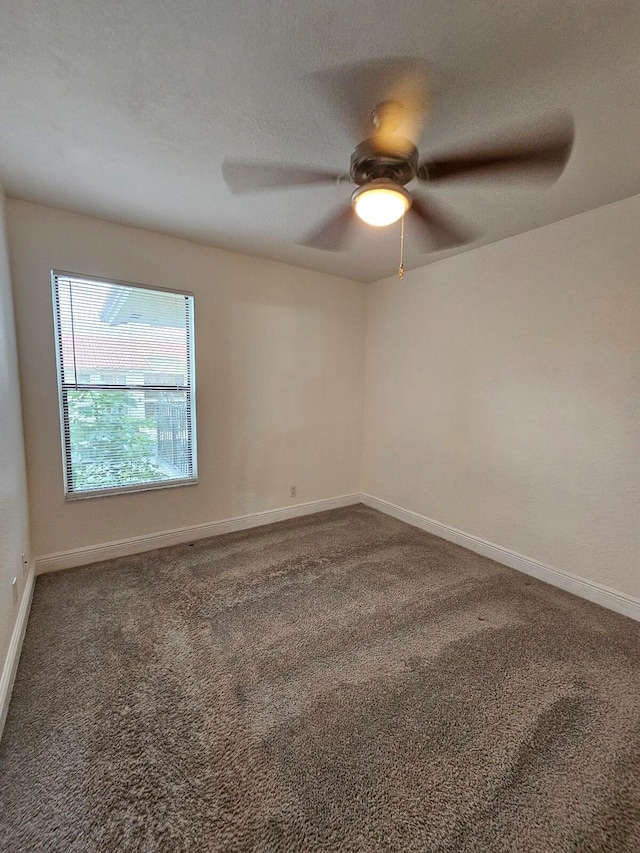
(126,110)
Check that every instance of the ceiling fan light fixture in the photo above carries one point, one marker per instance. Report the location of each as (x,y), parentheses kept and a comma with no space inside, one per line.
(380,202)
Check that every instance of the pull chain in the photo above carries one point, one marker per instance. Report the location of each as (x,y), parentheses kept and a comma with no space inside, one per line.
(401,267)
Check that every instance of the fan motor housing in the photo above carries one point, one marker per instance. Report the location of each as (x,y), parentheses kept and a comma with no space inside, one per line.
(370,163)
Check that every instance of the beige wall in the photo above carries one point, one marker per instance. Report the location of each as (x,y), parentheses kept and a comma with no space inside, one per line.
(14,514)
(501,393)
(280,364)
(503,390)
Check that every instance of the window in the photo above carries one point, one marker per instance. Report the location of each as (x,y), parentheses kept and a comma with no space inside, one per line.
(125,358)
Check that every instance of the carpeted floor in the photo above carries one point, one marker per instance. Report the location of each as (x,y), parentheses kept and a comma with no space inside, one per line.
(340,682)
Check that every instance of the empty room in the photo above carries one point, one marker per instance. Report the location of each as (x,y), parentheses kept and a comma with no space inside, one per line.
(320,418)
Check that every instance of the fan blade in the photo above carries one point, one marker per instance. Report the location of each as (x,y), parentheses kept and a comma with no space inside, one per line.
(332,234)
(355,89)
(543,156)
(254,177)
(441,230)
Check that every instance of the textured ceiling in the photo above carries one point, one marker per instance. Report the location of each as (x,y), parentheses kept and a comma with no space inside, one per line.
(126,110)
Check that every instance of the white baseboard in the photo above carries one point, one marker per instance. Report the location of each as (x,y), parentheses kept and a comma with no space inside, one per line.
(126,547)
(10,667)
(592,591)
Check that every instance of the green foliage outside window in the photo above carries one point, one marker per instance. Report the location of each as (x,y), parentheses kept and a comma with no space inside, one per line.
(112,444)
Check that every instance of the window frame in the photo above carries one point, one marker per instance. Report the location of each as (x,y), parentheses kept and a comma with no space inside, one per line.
(63,388)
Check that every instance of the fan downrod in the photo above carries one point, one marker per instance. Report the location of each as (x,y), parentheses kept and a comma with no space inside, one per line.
(388,115)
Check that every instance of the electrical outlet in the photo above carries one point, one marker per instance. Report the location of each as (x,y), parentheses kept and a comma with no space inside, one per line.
(14,589)
(294,491)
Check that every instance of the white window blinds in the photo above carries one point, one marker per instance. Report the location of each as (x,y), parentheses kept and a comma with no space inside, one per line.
(126,383)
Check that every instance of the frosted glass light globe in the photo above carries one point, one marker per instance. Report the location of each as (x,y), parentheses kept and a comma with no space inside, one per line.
(381,203)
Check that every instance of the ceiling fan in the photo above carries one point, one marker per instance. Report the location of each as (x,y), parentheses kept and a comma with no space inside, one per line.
(387,160)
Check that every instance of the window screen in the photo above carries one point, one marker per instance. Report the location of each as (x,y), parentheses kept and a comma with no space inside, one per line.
(126,381)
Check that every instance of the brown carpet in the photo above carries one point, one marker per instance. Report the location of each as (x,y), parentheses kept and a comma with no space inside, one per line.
(341,682)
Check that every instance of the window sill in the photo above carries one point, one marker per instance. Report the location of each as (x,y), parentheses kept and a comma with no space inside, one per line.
(127,490)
